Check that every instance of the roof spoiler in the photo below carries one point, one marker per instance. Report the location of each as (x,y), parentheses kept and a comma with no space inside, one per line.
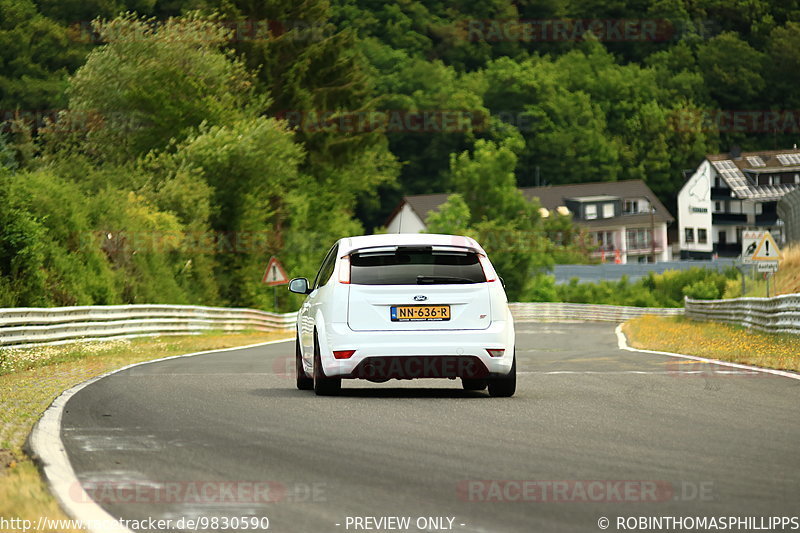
(408,248)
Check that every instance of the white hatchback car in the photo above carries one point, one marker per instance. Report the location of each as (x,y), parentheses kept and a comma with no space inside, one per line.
(405,306)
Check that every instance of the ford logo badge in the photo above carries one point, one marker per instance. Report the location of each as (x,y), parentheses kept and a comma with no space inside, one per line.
(420,298)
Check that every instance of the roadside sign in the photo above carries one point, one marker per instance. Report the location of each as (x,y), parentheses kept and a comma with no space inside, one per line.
(758,246)
(767,266)
(275,274)
(767,249)
(750,240)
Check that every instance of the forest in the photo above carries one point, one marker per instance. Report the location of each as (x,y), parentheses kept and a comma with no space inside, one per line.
(161,151)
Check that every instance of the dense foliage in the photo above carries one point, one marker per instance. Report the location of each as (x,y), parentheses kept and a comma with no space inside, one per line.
(145,158)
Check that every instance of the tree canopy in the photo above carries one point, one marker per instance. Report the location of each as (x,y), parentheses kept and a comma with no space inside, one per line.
(163,150)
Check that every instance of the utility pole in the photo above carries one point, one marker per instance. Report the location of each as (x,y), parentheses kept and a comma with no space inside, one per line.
(652,229)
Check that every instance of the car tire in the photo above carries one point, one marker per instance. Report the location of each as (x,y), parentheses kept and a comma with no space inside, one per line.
(473,384)
(505,386)
(303,381)
(323,385)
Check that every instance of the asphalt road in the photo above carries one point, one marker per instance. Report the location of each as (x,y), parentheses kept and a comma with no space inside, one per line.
(592,431)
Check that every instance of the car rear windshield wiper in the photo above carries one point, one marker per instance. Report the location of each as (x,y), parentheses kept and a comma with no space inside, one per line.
(421,280)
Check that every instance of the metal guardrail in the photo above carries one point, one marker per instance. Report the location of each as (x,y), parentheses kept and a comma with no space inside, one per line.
(34,326)
(23,327)
(556,312)
(780,314)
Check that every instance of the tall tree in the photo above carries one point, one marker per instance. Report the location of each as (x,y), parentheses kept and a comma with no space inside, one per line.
(37,54)
(153,83)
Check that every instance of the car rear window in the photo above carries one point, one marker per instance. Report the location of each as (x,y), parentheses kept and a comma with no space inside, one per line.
(415,268)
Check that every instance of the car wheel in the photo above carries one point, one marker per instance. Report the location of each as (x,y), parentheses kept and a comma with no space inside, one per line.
(324,386)
(303,381)
(473,384)
(505,386)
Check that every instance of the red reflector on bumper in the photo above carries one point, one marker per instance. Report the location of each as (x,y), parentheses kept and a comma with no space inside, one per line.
(343,354)
(495,353)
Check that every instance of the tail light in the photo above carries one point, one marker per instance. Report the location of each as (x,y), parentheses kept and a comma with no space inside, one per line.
(493,352)
(488,269)
(344,354)
(344,270)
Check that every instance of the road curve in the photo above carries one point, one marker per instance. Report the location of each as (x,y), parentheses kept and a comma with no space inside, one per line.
(592,431)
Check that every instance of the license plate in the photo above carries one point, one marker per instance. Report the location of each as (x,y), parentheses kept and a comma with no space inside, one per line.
(408,313)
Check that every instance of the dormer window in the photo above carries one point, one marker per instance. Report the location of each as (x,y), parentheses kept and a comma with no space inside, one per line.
(631,207)
(608,210)
(590,212)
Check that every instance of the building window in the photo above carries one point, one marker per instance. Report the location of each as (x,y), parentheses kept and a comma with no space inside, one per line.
(689,235)
(590,212)
(638,239)
(608,210)
(631,207)
(718,207)
(604,240)
(702,236)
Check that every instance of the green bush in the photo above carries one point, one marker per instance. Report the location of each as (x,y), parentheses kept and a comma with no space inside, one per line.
(702,290)
(654,290)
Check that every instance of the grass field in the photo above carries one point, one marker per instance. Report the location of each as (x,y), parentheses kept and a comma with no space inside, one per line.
(717,341)
(31,379)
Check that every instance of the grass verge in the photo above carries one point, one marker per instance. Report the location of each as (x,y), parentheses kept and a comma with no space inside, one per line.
(713,340)
(31,379)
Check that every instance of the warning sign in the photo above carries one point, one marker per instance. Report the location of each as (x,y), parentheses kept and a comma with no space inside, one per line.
(767,249)
(758,246)
(750,240)
(275,274)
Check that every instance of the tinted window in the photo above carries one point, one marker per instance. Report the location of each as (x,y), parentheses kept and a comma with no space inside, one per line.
(415,268)
(326,270)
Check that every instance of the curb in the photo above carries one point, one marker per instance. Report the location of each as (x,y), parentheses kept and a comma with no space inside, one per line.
(48,452)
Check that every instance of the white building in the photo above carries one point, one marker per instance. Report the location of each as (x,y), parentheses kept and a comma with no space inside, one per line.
(624,218)
(731,193)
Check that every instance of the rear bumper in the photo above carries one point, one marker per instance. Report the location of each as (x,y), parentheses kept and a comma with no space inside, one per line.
(383,355)
(422,366)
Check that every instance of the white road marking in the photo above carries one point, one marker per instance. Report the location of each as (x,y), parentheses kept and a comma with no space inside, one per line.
(132,443)
(47,446)
(652,372)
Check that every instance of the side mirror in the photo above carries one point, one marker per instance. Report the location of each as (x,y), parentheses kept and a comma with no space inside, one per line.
(299,285)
